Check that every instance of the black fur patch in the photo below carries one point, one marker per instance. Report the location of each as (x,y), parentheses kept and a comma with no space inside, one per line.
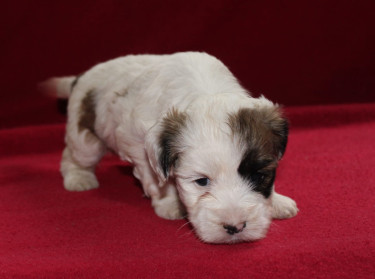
(169,140)
(260,172)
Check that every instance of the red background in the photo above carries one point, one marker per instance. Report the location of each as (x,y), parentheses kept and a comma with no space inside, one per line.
(294,52)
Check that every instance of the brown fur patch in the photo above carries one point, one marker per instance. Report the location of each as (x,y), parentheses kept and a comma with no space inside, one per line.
(263,129)
(168,141)
(87,113)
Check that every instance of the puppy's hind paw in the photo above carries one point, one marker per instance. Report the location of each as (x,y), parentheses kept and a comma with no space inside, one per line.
(80,180)
(169,208)
(283,207)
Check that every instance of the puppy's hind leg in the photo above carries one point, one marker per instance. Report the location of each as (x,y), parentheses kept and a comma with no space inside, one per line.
(78,174)
(83,148)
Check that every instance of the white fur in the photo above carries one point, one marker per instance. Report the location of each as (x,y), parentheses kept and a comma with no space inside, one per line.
(132,95)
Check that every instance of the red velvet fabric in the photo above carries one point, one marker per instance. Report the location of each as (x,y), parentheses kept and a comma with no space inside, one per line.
(316,58)
(113,231)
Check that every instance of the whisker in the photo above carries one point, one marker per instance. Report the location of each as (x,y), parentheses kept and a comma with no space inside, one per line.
(187,223)
(185,234)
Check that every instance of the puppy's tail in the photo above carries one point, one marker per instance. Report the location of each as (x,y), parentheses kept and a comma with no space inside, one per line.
(58,87)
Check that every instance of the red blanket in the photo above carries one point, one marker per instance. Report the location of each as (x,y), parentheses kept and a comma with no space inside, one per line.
(113,232)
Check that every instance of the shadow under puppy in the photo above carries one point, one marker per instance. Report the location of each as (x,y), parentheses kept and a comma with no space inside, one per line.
(198,142)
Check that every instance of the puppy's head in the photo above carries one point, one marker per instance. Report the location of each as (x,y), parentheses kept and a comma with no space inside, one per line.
(224,164)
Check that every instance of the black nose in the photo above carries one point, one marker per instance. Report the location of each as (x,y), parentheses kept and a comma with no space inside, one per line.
(234,229)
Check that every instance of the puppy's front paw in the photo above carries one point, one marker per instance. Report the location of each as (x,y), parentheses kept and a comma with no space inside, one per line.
(169,208)
(283,207)
(80,180)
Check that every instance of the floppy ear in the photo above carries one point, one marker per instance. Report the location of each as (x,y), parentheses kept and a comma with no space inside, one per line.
(267,123)
(280,128)
(273,118)
(163,144)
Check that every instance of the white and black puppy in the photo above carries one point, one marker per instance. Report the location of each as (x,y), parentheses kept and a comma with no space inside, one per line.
(198,142)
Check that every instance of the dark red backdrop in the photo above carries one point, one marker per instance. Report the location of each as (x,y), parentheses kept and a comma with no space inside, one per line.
(294,52)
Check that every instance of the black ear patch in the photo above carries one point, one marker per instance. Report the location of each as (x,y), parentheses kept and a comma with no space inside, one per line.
(169,139)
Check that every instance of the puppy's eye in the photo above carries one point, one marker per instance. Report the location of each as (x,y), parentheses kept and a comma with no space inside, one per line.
(202,181)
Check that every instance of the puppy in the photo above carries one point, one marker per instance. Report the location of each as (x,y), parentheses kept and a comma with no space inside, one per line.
(200,145)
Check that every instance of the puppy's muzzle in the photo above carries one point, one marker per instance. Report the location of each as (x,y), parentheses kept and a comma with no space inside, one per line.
(234,229)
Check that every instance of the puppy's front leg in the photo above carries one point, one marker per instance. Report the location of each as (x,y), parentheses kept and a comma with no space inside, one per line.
(167,203)
(282,206)
(165,199)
